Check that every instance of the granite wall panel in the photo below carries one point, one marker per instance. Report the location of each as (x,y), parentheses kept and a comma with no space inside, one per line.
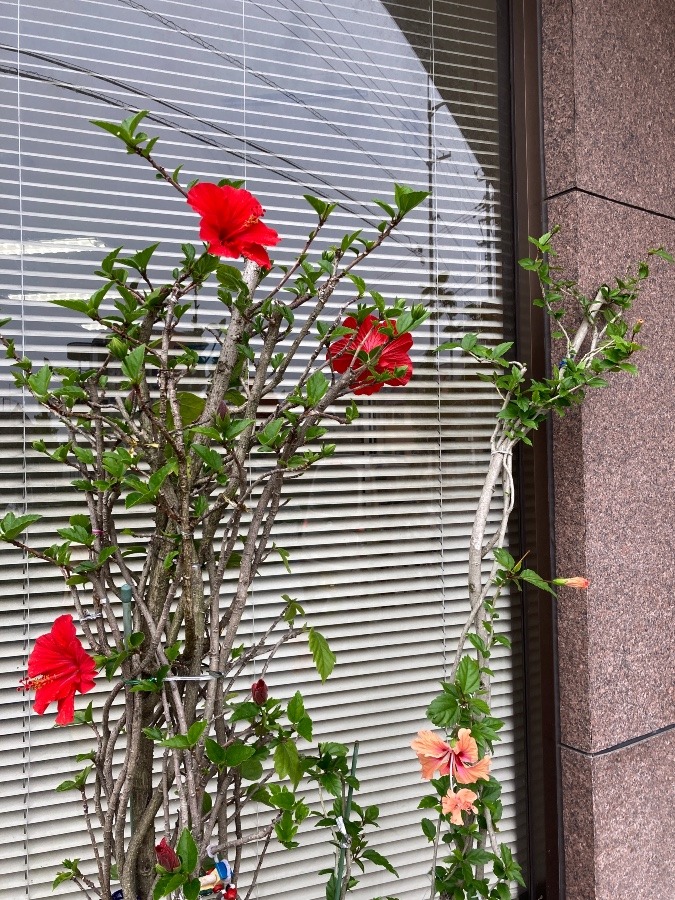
(609,120)
(618,822)
(615,498)
(609,154)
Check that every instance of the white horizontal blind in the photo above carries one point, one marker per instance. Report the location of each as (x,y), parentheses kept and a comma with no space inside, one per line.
(335,99)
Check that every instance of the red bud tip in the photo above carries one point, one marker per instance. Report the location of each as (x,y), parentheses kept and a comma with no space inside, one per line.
(259,692)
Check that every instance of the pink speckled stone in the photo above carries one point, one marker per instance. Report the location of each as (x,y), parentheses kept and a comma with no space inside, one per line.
(618,822)
(609,119)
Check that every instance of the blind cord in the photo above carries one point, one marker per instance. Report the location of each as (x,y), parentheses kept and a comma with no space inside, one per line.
(433,274)
(25,594)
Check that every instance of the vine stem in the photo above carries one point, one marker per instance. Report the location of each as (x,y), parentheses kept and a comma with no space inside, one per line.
(434,858)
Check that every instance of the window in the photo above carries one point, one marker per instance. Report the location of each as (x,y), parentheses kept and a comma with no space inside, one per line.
(339,100)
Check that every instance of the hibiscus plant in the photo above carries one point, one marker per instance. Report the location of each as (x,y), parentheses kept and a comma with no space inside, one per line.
(181,752)
(594,339)
(160,605)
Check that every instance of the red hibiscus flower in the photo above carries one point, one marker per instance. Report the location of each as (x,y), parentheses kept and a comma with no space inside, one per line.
(167,856)
(231,223)
(371,351)
(59,667)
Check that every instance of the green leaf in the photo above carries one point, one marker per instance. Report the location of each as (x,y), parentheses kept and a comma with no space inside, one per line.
(478,857)
(191,889)
(533,578)
(287,762)
(270,432)
(237,753)
(245,712)
(429,829)
(322,207)
(331,783)
(468,675)
(12,526)
(39,383)
(292,609)
(190,407)
(478,643)
(406,198)
(60,878)
(304,727)
(443,711)
(132,364)
(504,558)
(296,708)
(317,385)
(374,857)
(286,829)
(215,752)
(235,428)
(179,742)
(324,658)
(187,852)
(284,554)
(211,458)
(195,731)
(167,884)
(390,211)
(68,785)
(251,769)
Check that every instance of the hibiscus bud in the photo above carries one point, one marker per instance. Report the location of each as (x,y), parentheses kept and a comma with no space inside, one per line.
(577,582)
(259,692)
(222,410)
(166,856)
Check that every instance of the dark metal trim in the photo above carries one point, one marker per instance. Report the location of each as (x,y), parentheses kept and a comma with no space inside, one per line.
(545,875)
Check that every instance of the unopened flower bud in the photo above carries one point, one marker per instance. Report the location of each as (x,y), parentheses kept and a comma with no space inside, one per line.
(577,582)
(259,692)
(222,410)
(166,856)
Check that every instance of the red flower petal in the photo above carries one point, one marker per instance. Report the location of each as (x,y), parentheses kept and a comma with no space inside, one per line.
(350,351)
(231,223)
(59,667)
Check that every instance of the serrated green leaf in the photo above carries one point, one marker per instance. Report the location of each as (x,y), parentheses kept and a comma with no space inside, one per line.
(296,708)
(317,385)
(212,459)
(323,656)
(443,711)
(132,364)
(195,732)
(237,753)
(504,558)
(187,852)
(191,889)
(406,198)
(429,829)
(468,675)
(322,207)
(12,526)
(377,859)
(304,727)
(287,762)
(251,769)
(533,578)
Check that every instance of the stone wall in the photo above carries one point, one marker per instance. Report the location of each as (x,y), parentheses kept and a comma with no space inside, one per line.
(609,136)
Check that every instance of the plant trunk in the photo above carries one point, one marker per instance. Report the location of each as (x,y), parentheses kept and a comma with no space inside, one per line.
(141,794)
